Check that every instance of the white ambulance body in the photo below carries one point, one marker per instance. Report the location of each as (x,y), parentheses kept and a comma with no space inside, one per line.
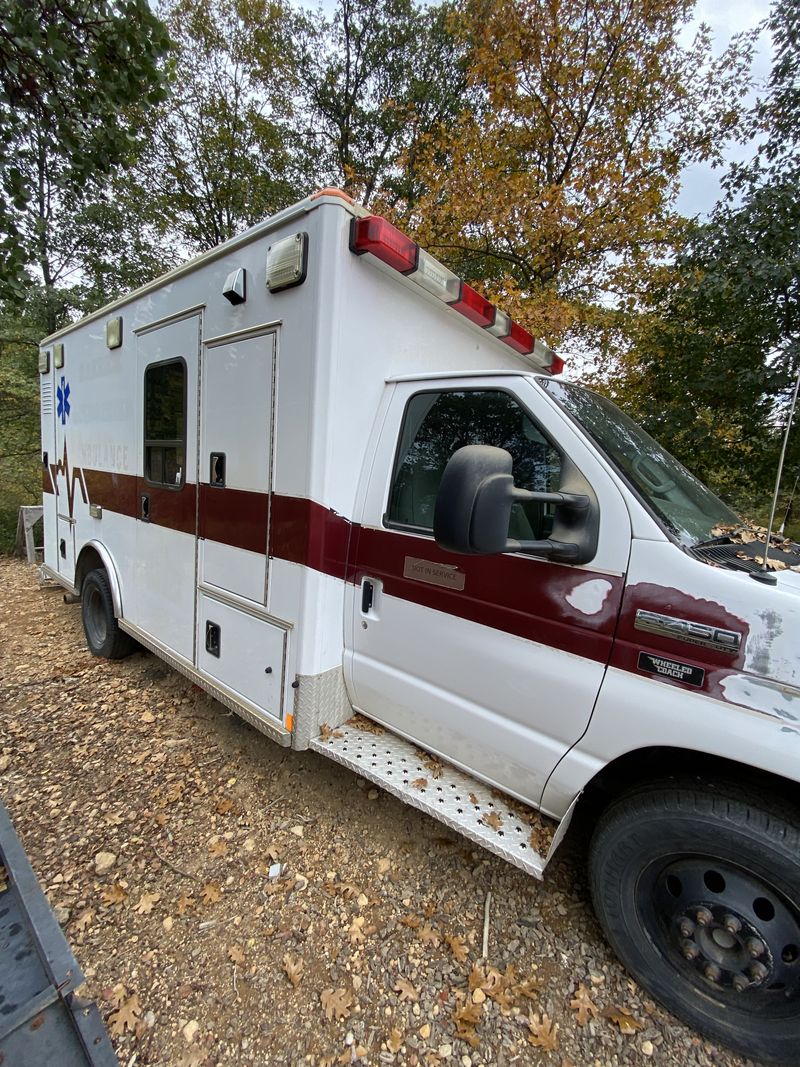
(247,469)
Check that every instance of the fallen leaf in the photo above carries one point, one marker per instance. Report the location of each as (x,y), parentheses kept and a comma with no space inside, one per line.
(147,902)
(413,922)
(473,799)
(466,1019)
(236,954)
(124,1018)
(428,935)
(492,819)
(583,1005)
(419,783)
(326,732)
(211,893)
(405,990)
(114,896)
(184,903)
(529,989)
(336,1003)
(394,1042)
(85,919)
(223,806)
(624,1019)
(218,848)
(357,929)
(457,946)
(293,968)
(543,1033)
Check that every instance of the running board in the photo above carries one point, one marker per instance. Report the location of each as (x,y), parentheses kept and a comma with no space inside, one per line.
(485,816)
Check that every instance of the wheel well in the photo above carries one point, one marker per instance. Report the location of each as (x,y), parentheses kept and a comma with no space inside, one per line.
(648,765)
(88,560)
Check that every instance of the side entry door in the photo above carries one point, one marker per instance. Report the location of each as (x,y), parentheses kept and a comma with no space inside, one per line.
(494,662)
(166,500)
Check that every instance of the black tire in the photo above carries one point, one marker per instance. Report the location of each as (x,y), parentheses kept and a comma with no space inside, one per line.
(697,888)
(103,635)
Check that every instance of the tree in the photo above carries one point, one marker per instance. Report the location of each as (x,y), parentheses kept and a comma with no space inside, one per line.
(561,178)
(717,344)
(220,154)
(375,80)
(74,76)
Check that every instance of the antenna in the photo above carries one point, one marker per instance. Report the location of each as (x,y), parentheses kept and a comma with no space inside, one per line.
(764,575)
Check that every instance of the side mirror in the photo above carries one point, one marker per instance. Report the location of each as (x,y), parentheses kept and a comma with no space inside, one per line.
(476,494)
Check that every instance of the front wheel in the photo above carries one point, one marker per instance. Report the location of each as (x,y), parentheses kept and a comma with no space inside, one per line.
(103,635)
(698,891)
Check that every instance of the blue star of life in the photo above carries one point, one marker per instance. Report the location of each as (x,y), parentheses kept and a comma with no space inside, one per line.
(62,393)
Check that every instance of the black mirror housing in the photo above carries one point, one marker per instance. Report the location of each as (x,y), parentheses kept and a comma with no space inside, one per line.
(476,494)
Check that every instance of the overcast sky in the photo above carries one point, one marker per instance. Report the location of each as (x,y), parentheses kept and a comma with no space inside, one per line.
(725,17)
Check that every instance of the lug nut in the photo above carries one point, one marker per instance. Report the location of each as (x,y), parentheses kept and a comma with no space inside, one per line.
(740,983)
(755,947)
(731,924)
(686,927)
(712,972)
(690,950)
(704,917)
(758,972)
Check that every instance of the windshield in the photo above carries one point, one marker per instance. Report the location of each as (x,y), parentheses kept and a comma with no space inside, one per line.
(687,508)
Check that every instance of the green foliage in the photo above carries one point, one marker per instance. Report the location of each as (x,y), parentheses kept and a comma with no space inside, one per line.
(68,72)
(20,471)
(717,349)
(375,82)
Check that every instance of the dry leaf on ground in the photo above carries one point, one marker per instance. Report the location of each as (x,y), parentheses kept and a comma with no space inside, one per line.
(211,893)
(583,1005)
(394,1041)
(466,1019)
(543,1032)
(236,954)
(427,934)
(457,946)
(419,783)
(624,1019)
(405,990)
(147,902)
(492,819)
(336,1003)
(125,1017)
(114,896)
(218,848)
(293,968)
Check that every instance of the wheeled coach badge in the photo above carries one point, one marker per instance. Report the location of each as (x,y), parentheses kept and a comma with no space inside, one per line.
(424,570)
(672,669)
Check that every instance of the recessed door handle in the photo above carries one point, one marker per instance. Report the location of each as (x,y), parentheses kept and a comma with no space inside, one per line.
(145,507)
(367,596)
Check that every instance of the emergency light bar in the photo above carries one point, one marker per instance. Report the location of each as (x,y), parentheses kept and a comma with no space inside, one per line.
(380,238)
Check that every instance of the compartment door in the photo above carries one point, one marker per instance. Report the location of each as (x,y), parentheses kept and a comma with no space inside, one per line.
(236,465)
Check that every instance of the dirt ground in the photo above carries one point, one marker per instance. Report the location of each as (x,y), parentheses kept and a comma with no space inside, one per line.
(155,820)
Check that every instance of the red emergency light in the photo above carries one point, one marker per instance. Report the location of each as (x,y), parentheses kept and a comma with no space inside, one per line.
(374,234)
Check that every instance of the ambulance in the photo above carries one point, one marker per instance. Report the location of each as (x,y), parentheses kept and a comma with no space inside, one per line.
(341,491)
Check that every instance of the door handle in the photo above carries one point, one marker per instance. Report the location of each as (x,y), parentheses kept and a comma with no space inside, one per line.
(144,507)
(367,596)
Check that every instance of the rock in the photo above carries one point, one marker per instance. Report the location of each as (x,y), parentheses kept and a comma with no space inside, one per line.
(62,914)
(190,1031)
(425,1031)
(104,861)
(168,923)
(647,1048)
(444,1051)
(373,794)
(4,763)
(296,830)
(478,996)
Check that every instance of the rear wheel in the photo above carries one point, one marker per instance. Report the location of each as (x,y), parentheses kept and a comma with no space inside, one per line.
(103,635)
(698,891)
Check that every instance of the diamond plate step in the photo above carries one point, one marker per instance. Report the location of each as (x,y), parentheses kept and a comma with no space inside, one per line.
(454,798)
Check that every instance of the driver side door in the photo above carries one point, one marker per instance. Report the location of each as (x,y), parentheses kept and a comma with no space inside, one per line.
(493,662)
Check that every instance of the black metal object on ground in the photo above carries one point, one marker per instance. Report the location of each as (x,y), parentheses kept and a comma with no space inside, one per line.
(42,1022)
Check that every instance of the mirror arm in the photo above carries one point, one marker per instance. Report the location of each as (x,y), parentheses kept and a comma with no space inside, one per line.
(575,501)
(561,551)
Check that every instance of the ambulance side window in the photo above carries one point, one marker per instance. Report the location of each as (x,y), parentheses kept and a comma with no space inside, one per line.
(165,423)
(436,424)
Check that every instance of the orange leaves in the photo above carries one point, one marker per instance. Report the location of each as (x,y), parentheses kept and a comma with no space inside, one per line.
(114,896)
(542,1032)
(128,1010)
(583,1005)
(211,893)
(293,968)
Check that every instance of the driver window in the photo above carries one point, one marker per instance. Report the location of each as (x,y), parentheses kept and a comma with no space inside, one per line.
(437,424)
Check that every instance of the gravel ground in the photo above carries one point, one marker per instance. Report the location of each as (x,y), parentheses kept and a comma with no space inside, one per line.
(155,819)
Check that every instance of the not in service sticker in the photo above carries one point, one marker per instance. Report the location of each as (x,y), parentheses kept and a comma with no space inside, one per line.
(672,669)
